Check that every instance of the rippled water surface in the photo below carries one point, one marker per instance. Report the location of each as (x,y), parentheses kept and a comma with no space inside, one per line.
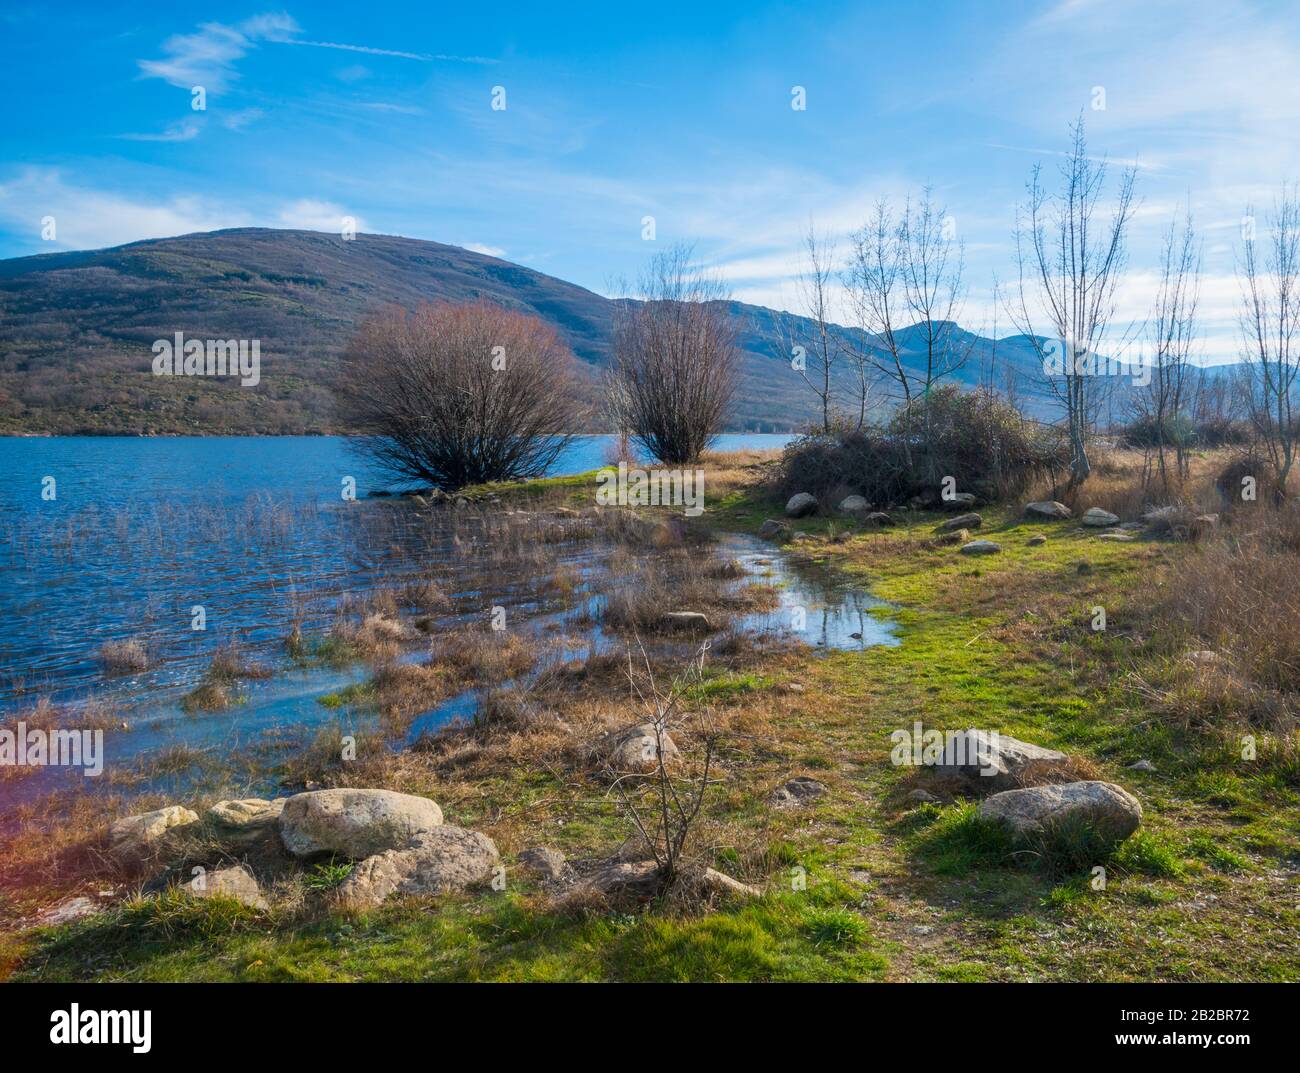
(256,533)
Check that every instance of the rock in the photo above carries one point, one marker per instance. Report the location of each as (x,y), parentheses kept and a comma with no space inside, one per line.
(981,547)
(991,760)
(635,748)
(1048,508)
(1131,527)
(236,882)
(67,911)
(1118,538)
(134,837)
(1166,515)
(354,823)
(961,536)
(961,521)
(1034,541)
(958,501)
(1111,811)
(772,529)
(619,877)
(547,863)
(922,797)
(1142,765)
(879,517)
(720,883)
(1099,518)
(796,793)
(686,620)
(440,860)
(245,820)
(853,505)
(800,505)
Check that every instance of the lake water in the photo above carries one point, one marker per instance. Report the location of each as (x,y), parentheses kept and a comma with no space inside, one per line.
(140,533)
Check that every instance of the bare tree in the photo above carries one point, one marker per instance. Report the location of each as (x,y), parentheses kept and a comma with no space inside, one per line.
(1269,319)
(1071,263)
(909,275)
(676,362)
(818,343)
(456,394)
(1163,406)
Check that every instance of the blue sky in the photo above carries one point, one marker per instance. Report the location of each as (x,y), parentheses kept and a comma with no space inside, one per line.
(382,112)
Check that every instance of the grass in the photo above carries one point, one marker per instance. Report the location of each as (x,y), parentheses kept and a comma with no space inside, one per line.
(860,884)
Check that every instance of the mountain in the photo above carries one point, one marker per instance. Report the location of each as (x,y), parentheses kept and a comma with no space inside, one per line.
(76,330)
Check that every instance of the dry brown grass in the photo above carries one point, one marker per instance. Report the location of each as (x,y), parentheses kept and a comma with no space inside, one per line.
(123,657)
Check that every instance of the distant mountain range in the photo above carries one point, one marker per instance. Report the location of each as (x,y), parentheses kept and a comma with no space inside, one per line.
(76,331)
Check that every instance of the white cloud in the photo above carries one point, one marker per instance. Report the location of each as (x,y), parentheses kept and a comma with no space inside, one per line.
(242,118)
(490,251)
(207,57)
(177,132)
(310,214)
(91,219)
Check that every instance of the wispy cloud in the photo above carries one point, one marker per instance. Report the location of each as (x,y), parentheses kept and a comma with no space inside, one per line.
(371,51)
(177,132)
(311,214)
(207,57)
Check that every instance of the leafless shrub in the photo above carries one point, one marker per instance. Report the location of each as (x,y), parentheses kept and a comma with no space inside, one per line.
(461,394)
(675,362)
(664,805)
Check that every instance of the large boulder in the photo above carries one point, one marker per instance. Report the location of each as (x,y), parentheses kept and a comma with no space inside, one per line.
(354,823)
(1048,508)
(774,529)
(879,517)
(981,547)
(993,761)
(243,821)
(853,505)
(1098,518)
(961,521)
(134,838)
(1110,811)
(236,882)
(635,748)
(800,505)
(440,860)
(958,501)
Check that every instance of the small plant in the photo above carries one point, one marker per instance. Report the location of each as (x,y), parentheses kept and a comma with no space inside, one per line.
(836,927)
(327,876)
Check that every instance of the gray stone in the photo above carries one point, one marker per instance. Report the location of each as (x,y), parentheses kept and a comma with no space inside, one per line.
(1048,508)
(547,863)
(236,882)
(1142,765)
(67,911)
(961,521)
(958,501)
(772,529)
(1035,540)
(992,760)
(796,793)
(1099,518)
(134,837)
(354,823)
(922,797)
(981,547)
(618,877)
(245,820)
(636,748)
(801,504)
(879,517)
(440,860)
(1110,810)
(853,505)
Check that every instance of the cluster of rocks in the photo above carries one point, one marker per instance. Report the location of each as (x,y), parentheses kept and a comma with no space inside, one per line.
(398,842)
(1006,768)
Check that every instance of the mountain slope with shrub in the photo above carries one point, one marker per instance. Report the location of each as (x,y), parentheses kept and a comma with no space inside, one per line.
(76,330)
